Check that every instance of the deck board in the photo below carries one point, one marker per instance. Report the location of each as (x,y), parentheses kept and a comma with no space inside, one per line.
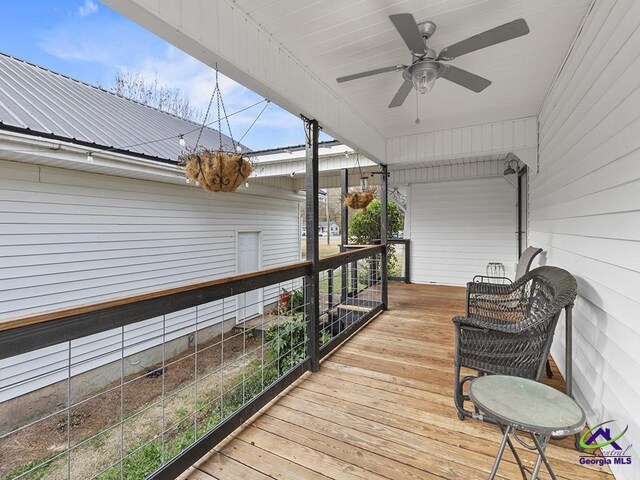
(381,407)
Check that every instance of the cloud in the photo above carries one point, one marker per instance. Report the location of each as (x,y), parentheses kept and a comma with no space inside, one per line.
(175,69)
(89,7)
(118,46)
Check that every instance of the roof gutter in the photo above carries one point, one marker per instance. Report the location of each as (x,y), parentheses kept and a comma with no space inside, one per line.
(16,146)
(81,143)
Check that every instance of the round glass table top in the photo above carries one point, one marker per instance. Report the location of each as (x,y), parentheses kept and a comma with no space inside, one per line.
(527,405)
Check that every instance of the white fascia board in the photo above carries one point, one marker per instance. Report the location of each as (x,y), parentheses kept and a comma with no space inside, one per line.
(301,154)
(298,167)
(58,154)
(519,136)
(220,33)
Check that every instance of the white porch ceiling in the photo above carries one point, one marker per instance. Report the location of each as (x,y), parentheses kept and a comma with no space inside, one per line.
(291,51)
(334,38)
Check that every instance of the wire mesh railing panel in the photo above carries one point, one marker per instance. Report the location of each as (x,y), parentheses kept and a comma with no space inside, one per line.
(122,391)
(122,403)
(348,294)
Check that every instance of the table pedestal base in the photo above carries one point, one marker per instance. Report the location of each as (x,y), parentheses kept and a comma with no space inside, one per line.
(539,444)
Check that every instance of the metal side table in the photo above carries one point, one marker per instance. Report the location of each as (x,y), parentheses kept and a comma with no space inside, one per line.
(522,405)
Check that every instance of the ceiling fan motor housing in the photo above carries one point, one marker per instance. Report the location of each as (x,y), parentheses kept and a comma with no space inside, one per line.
(427,28)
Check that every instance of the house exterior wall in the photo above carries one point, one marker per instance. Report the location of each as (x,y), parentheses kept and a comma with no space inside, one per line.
(585,212)
(70,238)
(457,227)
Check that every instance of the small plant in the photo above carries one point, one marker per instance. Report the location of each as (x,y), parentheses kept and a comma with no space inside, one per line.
(288,343)
(290,301)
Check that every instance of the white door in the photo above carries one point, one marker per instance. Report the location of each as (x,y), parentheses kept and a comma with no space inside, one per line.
(457,227)
(248,258)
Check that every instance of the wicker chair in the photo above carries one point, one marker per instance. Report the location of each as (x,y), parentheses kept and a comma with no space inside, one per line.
(509,328)
(524,264)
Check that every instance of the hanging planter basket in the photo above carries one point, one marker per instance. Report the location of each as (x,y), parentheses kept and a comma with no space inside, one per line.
(216,171)
(358,200)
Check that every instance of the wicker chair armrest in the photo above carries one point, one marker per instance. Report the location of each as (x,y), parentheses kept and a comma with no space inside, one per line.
(488,279)
(490,288)
(484,323)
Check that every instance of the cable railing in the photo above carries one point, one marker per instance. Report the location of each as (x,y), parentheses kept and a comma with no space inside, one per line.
(144,386)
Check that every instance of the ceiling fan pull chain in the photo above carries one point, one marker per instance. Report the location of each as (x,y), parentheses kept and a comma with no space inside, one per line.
(417,109)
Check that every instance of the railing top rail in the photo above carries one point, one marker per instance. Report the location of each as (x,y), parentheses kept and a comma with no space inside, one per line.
(28,333)
(294,269)
(339,259)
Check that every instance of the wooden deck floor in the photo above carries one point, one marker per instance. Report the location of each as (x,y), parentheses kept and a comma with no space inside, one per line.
(380,408)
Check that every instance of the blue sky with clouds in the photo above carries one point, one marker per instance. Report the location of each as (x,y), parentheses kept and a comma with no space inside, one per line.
(84,39)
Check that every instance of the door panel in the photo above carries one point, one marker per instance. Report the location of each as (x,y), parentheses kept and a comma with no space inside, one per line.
(248,258)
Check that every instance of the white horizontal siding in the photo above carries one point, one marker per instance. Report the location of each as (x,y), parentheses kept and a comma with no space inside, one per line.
(585,211)
(437,173)
(457,227)
(70,238)
(477,140)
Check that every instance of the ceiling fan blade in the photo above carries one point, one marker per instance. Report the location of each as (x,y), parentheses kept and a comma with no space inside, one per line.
(464,78)
(408,30)
(394,68)
(500,34)
(401,94)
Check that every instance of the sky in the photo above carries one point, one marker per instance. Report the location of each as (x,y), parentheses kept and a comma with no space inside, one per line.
(86,40)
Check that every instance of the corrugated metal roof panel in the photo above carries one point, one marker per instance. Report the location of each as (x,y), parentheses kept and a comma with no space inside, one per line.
(32,97)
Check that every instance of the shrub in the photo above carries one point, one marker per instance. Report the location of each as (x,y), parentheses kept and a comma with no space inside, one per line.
(290,301)
(288,343)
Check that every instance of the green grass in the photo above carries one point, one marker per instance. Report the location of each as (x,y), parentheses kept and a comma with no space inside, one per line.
(38,472)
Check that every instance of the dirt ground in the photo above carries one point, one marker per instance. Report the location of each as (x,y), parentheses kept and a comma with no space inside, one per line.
(88,418)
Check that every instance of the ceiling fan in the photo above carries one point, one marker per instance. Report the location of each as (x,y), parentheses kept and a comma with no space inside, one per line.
(426,67)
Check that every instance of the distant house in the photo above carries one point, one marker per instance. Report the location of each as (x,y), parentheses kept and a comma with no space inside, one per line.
(94,207)
(334,229)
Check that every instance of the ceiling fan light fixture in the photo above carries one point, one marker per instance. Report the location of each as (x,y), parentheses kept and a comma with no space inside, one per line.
(423,76)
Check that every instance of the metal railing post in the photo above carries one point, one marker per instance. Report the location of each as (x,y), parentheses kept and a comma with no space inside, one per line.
(312,308)
(384,235)
(344,232)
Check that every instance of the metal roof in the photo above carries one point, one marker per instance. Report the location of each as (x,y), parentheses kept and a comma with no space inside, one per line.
(41,102)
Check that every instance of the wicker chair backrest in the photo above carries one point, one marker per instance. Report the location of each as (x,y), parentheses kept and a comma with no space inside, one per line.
(546,291)
(525,261)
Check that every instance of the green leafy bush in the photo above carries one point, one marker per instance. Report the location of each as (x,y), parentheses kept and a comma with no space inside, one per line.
(288,343)
(364,225)
(290,301)
(364,228)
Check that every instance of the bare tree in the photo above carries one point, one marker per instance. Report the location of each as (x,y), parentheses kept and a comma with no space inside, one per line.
(134,85)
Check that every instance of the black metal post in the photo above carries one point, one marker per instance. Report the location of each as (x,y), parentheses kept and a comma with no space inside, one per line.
(521,174)
(330,291)
(568,340)
(312,308)
(407,262)
(344,232)
(384,235)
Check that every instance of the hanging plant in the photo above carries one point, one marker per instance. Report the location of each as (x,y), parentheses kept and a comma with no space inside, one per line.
(358,199)
(215,171)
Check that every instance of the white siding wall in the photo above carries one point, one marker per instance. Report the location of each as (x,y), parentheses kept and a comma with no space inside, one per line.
(484,139)
(69,238)
(457,227)
(585,211)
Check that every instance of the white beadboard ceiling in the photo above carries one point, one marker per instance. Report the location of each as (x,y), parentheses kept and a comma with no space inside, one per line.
(332,38)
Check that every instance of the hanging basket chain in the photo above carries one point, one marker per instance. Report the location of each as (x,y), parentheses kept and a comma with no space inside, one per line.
(218,170)
(206,115)
(224,111)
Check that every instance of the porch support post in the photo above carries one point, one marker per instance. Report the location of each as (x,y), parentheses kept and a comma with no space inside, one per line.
(384,234)
(344,231)
(312,306)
